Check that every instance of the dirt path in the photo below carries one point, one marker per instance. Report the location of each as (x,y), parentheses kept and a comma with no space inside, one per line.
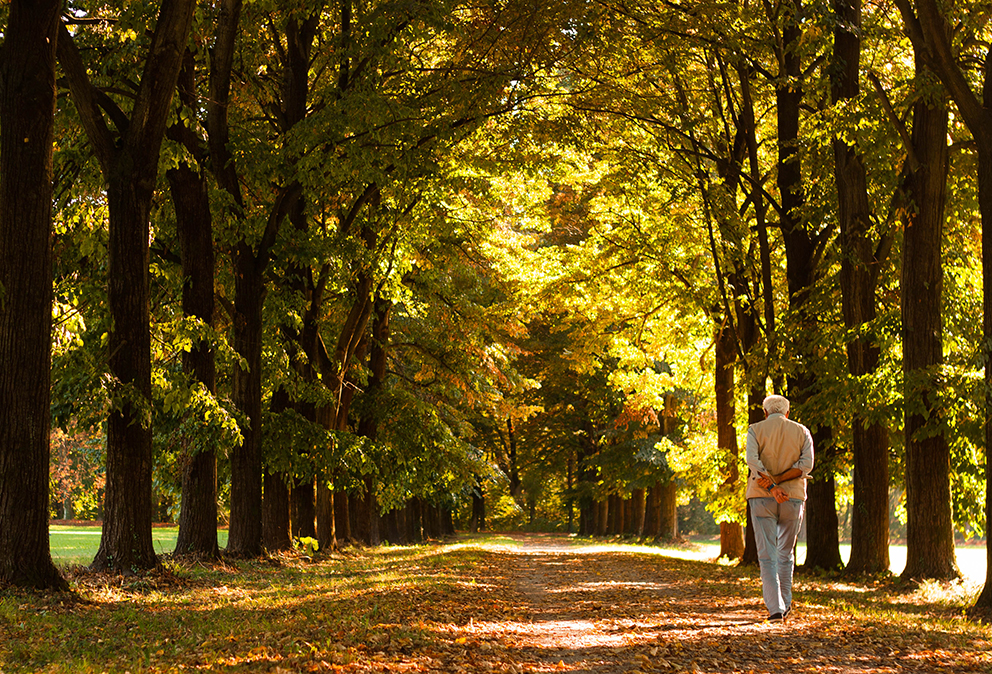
(586,610)
(546,606)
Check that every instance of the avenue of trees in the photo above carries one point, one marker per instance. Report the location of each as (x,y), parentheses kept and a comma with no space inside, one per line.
(351,271)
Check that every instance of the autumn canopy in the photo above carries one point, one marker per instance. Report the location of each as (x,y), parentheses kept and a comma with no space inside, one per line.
(374,271)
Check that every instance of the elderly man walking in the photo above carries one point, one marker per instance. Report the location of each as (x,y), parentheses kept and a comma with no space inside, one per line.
(780,456)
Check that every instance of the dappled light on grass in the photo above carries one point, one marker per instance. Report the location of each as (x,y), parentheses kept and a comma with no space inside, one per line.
(520,604)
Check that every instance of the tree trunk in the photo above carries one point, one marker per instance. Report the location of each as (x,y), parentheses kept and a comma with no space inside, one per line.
(984,601)
(198,505)
(402,535)
(27,106)
(652,516)
(614,515)
(328,533)
(327,530)
(447,521)
(432,526)
(731,538)
(870,526)
(304,517)
(929,527)
(356,521)
(510,462)
(245,534)
(368,426)
(198,515)
(750,544)
(668,529)
(755,413)
(931,33)
(276,524)
(748,126)
(803,251)
(366,525)
(276,504)
(126,541)
(478,521)
(822,538)
(390,527)
(586,482)
(250,258)
(341,513)
(415,521)
(602,510)
(637,506)
(129,164)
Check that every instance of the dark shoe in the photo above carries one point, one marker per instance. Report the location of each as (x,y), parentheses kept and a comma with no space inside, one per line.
(775,617)
(785,616)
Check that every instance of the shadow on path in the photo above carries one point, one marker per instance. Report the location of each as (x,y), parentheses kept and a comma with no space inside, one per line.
(594,610)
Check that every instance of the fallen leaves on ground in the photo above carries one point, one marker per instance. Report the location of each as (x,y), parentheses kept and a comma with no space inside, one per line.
(533,604)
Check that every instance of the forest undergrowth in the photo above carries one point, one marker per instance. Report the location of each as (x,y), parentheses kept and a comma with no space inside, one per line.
(511,603)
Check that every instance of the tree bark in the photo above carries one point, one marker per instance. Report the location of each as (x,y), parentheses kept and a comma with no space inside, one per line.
(870,525)
(652,517)
(329,509)
(602,510)
(304,517)
(276,509)
(276,522)
(668,527)
(929,526)
(198,514)
(731,535)
(244,538)
(368,425)
(415,522)
(614,513)
(340,512)
(638,506)
(432,521)
(391,527)
(250,260)
(27,109)
(198,505)
(984,601)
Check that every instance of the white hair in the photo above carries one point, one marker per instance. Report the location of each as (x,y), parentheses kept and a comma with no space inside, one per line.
(776,404)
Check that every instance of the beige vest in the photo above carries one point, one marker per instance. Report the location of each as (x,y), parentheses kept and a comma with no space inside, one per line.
(780,441)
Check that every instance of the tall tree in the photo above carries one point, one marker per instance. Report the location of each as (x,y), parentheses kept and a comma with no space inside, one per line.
(128,157)
(27,111)
(805,247)
(929,526)
(194,223)
(860,262)
(252,252)
(731,533)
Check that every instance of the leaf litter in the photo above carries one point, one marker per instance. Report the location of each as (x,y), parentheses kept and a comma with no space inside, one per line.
(526,605)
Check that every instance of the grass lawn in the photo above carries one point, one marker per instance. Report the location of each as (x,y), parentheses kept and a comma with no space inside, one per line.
(78,544)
